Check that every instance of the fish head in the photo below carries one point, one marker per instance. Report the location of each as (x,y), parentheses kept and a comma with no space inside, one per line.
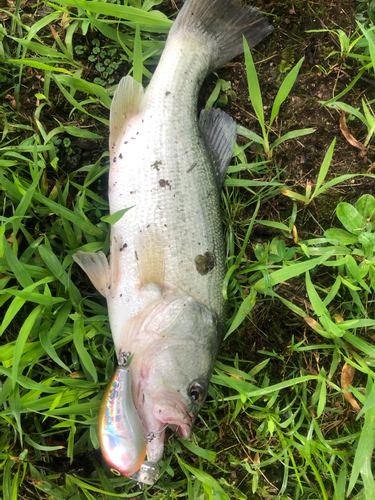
(173,373)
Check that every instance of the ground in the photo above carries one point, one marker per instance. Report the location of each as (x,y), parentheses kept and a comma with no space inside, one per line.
(322,76)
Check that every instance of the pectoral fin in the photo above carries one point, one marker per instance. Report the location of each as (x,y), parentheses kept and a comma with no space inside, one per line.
(96,267)
(150,256)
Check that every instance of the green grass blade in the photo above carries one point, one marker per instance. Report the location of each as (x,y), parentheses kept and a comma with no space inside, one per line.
(21,340)
(365,447)
(291,272)
(15,265)
(293,135)
(133,14)
(254,88)
(87,364)
(285,89)
(324,170)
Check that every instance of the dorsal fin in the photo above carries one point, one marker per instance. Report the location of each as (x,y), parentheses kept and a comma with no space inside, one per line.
(125,104)
(96,267)
(219,132)
(149,248)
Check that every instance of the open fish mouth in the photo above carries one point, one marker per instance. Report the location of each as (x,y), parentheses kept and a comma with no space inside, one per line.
(174,415)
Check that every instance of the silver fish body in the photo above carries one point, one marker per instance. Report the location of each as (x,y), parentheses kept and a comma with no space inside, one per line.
(167,257)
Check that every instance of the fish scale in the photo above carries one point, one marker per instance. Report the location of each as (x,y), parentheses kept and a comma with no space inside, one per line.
(167,254)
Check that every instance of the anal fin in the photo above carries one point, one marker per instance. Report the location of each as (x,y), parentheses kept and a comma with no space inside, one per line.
(219,132)
(96,267)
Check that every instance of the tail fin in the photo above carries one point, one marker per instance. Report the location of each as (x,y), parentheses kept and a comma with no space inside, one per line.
(223,22)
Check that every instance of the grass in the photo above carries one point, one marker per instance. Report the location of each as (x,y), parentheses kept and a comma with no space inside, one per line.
(282,424)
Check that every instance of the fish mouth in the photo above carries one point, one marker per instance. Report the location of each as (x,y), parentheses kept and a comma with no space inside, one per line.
(166,409)
(172,413)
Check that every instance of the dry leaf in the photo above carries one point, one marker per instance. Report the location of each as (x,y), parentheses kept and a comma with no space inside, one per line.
(310,321)
(347,376)
(348,136)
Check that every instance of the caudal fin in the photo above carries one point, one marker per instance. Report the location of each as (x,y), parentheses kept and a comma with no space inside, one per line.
(223,22)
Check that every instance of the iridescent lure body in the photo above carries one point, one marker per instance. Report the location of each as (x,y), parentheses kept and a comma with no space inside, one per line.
(121,433)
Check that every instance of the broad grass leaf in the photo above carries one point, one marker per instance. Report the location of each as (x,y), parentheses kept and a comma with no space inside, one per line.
(333,292)
(320,309)
(248,183)
(249,134)
(275,225)
(370,401)
(39,65)
(28,383)
(78,220)
(293,135)
(87,364)
(200,452)
(40,49)
(363,454)
(243,312)
(350,218)
(370,42)
(7,478)
(11,312)
(285,89)
(359,343)
(15,408)
(366,205)
(41,447)
(204,478)
(137,58)
(80,132)
(324,170)
(348,109)
(113,218)
(322,395)
(253,85)
(37,298)
(85,86)
(354,271)
(21,340)
(153,18)
(50,350)
(48,487)
(341,236)
(292,271)
(17,268)
(75,103)
(53,263)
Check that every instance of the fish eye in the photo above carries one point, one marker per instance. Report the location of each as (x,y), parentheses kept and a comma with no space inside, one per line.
(197,393)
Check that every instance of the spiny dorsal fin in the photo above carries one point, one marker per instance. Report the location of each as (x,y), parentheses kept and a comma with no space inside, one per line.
(96,267)
(149,248)
(125,104)
(219,132)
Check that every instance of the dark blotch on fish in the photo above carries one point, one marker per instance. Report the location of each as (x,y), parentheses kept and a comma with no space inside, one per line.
(204,263)
(164,183)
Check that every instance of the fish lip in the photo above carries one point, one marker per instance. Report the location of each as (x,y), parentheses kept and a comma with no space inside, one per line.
(172,412)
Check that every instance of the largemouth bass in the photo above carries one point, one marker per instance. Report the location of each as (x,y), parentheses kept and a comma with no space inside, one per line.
(167,258)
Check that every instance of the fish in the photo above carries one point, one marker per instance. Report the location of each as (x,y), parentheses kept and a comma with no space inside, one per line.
(163,282)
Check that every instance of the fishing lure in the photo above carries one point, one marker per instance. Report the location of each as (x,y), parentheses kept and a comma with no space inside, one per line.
(121,434)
